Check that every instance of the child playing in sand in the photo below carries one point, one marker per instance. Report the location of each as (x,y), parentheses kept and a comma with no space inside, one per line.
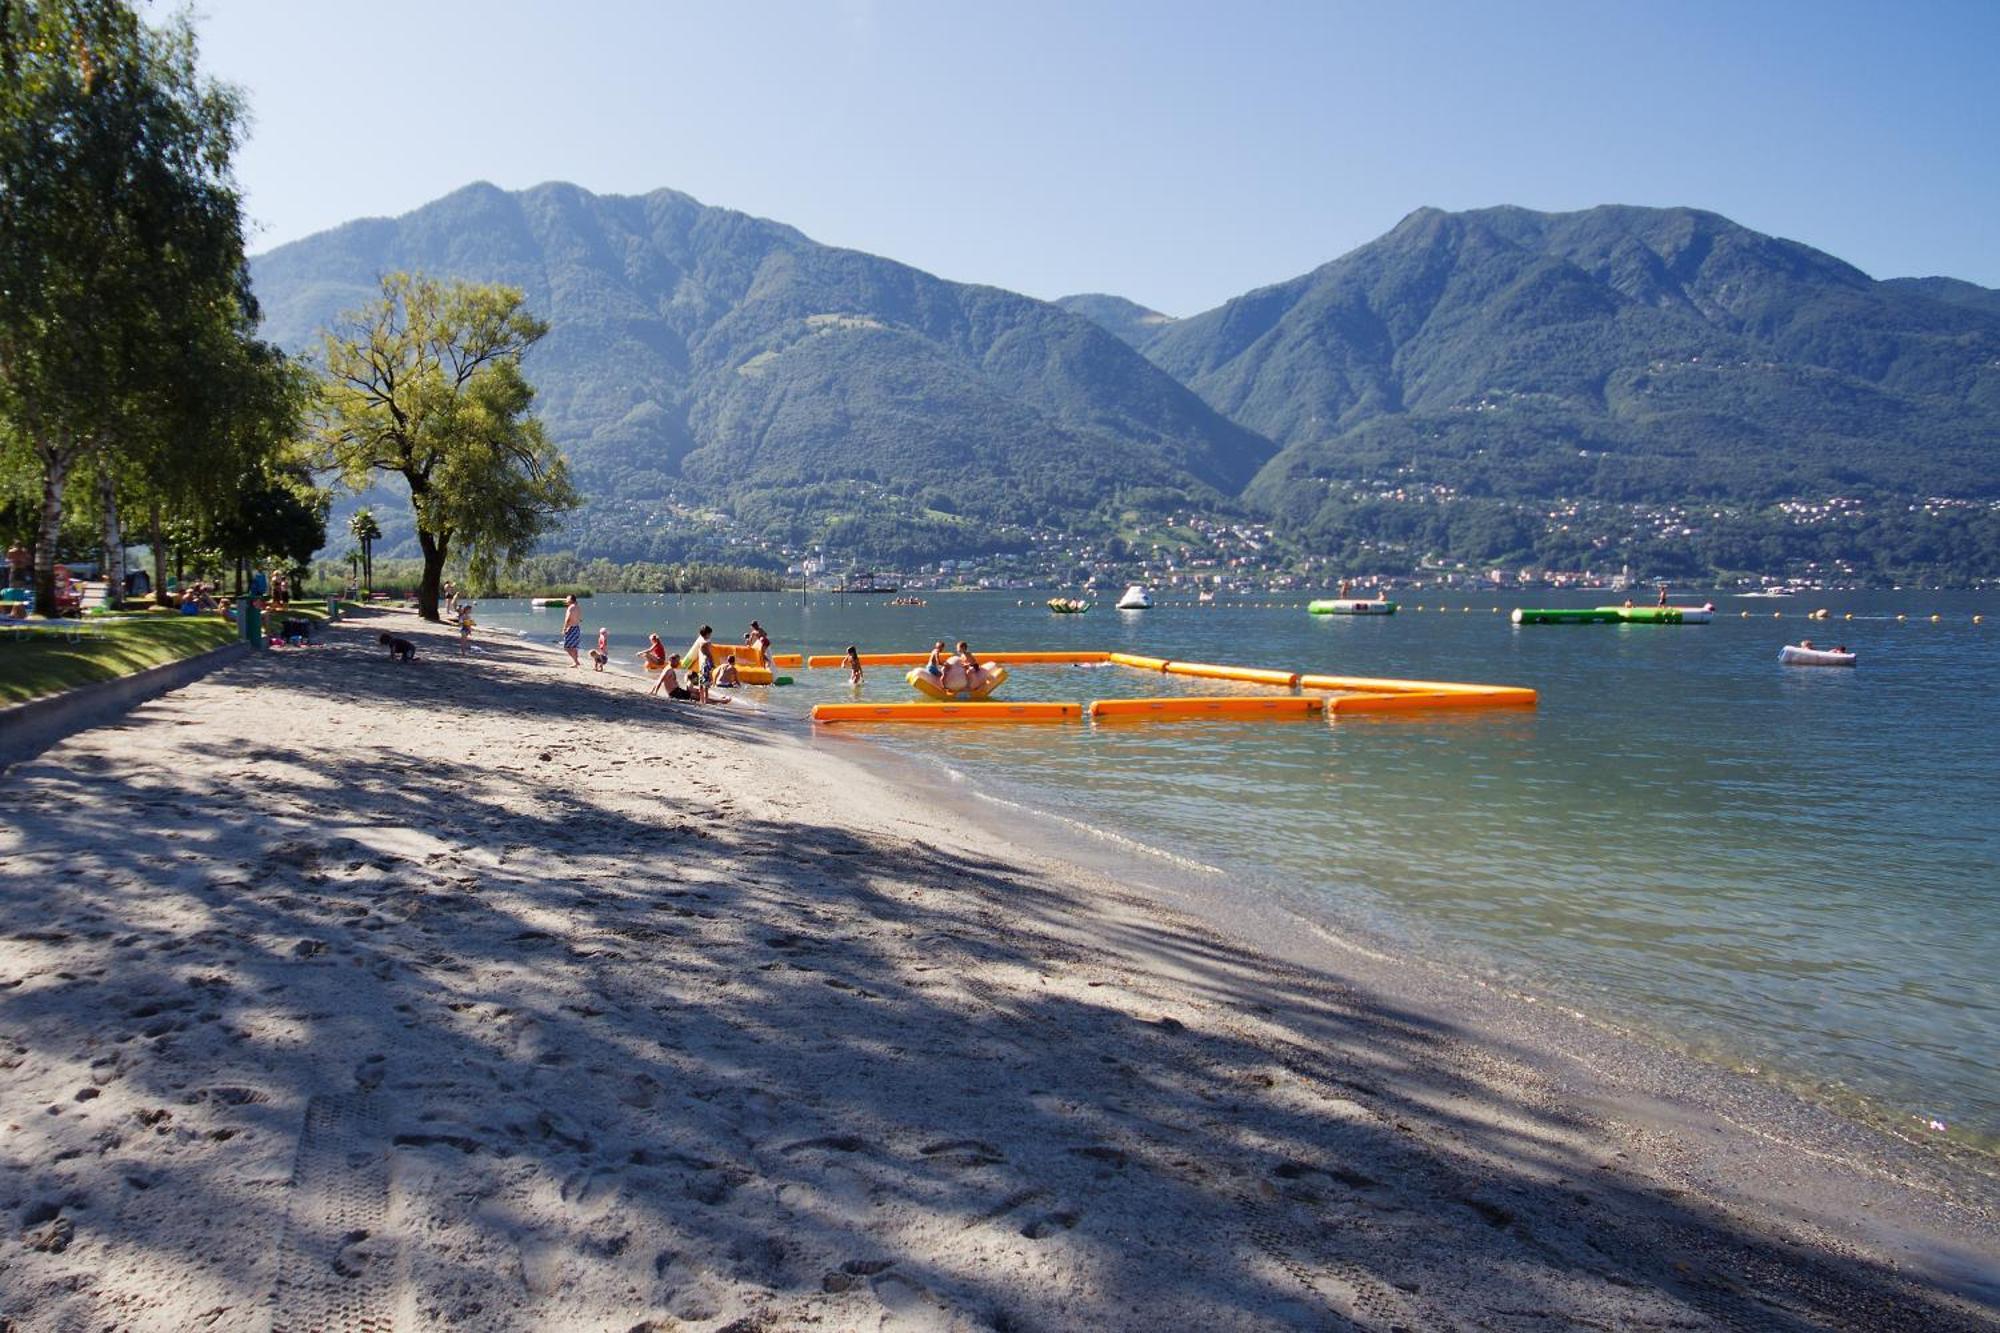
(602,652)
(465,624)
(852,661)
(655,655)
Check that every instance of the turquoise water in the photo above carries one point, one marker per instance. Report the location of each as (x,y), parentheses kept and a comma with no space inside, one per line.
(1794,869)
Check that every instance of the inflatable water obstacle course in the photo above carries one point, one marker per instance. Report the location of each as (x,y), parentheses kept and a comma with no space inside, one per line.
(1614,615)
(1307,695)
(1351,606)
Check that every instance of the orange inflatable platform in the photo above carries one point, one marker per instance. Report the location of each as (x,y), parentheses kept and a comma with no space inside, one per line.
(941,712)
(1200,705)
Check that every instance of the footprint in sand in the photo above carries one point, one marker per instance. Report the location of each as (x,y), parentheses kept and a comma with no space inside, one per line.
(1048,1224)
(963,1153)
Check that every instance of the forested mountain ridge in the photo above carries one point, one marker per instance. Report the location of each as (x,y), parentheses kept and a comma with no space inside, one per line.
(1951,290)
(1132,323)
(1622,355)
(710,358)
(1495,386)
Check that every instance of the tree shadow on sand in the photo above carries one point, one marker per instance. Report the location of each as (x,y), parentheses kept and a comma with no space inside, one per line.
(653,1056)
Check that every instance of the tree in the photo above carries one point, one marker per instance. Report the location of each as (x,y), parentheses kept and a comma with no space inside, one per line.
(119,225)
(426,384)
(364,529)
(277,516)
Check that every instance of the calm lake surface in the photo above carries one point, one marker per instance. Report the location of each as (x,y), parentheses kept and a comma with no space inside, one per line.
(1791,869)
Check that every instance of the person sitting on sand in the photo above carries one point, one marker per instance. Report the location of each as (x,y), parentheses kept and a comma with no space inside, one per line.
(655,655)
(669,682)
(726,676)
(852,661)
(400,650)
(602,652)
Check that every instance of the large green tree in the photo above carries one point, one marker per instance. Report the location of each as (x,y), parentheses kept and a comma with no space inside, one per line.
(426,384)
(121,238)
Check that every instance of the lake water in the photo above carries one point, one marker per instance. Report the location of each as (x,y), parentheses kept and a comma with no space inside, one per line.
(1788,868)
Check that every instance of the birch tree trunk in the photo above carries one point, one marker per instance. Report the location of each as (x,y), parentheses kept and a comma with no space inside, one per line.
(114,535)
(159,557)
(55,475)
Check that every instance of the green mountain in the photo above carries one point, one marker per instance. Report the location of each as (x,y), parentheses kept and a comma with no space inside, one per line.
(1133,323)
(1952,290)
(1658,385)
(723,384)
(1614,356)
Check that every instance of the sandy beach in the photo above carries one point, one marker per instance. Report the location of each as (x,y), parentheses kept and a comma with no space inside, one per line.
(487,993)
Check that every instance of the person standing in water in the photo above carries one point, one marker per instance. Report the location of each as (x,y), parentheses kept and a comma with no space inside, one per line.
(701,670)
(572,634)
(852,661)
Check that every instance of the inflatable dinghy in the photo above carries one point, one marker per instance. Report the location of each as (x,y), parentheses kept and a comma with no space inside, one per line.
(1793,655)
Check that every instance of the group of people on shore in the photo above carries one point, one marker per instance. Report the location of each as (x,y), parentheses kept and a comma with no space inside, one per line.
(693,676)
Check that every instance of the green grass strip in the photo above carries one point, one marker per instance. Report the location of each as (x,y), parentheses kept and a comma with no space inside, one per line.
(41,661)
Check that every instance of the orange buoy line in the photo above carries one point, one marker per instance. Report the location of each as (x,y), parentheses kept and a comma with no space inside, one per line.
(1429,701)
(1351,694)
(1389,685)
(822,660)
(1203,705)
(988,711)
(1249,675)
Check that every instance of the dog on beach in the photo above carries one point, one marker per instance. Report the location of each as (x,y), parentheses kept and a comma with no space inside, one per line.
(401,650)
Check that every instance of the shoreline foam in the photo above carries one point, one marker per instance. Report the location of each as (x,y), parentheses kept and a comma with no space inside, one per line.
(620,1010)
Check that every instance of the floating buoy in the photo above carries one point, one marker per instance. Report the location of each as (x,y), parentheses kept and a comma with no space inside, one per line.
(1936,618)
(1776,614)
(1746,615)
(1979,620)
(1901,616)
(1848,616)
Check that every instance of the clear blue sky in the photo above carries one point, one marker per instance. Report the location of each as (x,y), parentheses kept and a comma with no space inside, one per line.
(1175,153)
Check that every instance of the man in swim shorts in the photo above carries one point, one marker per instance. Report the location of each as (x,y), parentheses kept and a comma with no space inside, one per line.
(572,629)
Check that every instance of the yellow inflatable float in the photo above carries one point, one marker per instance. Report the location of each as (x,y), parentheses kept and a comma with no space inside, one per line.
(989,678)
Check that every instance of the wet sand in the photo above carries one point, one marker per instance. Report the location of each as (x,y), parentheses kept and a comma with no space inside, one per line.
(488,993)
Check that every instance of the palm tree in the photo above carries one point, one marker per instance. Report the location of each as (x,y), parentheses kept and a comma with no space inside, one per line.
(364,529)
